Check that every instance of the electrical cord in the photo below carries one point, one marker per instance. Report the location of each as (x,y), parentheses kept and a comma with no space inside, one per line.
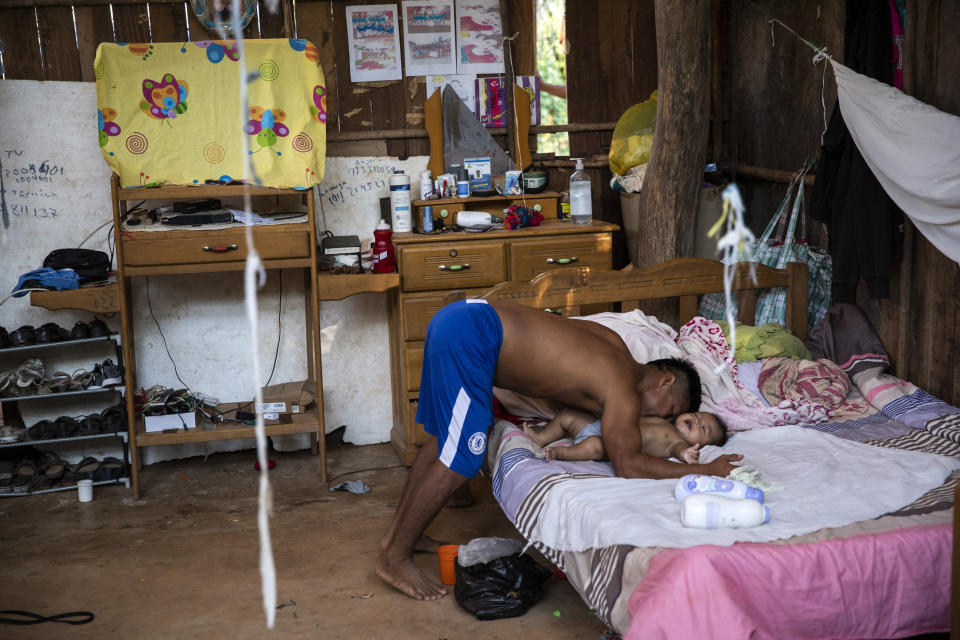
(164,338)
(347,473)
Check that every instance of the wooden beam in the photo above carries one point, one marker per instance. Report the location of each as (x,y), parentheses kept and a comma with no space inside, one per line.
(770,175)
(390,134)
(668,202)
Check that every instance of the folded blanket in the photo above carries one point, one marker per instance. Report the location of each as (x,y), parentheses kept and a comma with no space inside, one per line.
(764,341)
(828,482)
(820,383)
(846,336)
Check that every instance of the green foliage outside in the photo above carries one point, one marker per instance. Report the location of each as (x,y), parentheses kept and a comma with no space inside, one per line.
(551,64)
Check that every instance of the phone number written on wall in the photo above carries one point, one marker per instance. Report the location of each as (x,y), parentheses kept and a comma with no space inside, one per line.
(23,181)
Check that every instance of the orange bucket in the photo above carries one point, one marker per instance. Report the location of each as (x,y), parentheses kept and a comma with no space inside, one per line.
(447,555)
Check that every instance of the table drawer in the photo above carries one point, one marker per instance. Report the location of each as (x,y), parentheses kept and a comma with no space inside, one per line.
(458,266)
(178,247)
(530,256)
(412,364)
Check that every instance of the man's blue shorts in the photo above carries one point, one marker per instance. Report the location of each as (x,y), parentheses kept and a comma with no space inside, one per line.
(456,383)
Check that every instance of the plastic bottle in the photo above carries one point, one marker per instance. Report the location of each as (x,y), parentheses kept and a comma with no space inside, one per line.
(696,483)
(581,197)
(426,185)
(711,511)
(383,261)
(400,201)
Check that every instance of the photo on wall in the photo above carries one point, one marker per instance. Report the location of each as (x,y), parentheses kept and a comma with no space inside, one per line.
(479,35)
(428,37)
(373,36)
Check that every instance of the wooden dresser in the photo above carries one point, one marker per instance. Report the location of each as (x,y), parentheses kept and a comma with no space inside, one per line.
(431,266)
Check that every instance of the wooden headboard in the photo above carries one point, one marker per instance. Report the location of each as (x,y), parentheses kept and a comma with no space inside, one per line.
(683,278)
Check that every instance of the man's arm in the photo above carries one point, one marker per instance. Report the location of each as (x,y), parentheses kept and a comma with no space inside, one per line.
(624,445)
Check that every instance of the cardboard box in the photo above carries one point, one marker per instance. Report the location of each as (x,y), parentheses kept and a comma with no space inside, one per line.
(172,421)
(287,398)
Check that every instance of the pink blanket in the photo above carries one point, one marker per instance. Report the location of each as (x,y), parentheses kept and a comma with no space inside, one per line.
(889,585)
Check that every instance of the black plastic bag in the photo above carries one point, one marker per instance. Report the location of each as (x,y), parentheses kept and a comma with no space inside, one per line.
(505,587)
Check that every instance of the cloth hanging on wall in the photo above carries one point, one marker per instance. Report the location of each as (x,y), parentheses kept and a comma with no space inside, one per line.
(862,219)
(912,148)
(170,112)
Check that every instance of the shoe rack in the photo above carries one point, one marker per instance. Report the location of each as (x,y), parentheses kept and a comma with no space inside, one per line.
(11,357)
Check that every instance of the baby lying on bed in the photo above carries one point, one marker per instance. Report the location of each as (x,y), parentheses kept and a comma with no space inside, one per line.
(681,440)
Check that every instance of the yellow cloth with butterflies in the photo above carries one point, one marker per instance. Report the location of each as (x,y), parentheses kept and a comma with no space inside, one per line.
(171,113)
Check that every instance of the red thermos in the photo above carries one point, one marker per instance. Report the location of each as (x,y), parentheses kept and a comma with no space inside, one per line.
(383,260)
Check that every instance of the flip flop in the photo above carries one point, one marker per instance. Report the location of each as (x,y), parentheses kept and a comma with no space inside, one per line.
(87,468)
(10,434)
(110,469)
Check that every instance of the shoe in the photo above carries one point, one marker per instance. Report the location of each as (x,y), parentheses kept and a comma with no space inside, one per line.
(57,382)
(29,377)
(10,434)
(65,427)
(112,375)
(4,338)
(114,419)
(80,331)
(50,332)
(86,468)
(52,467)
(43,430)
(91,425)
(98,328)
(80,380)
(97,380)
(23,336)
(110,469)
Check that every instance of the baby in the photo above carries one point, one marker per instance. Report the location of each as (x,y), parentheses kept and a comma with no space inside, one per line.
(681,440)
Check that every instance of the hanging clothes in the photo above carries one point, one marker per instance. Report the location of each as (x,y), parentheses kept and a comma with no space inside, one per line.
(863,221)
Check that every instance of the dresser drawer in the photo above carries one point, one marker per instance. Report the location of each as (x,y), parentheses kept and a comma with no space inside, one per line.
(530,256)
(228,245)
(416,430)
(458,266)
(418,309)
(412,364)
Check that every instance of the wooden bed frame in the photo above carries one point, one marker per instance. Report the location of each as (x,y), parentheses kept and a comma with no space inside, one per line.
(565,290)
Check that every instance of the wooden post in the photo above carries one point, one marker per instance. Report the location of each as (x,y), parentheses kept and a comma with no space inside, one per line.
(668,201)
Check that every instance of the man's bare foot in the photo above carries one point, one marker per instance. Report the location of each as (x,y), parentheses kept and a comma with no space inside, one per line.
(425,544)
(407,578)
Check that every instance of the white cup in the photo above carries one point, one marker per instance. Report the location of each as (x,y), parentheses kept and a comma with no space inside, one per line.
(85,490)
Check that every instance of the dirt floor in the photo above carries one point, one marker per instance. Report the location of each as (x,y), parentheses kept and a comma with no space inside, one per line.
(182,562)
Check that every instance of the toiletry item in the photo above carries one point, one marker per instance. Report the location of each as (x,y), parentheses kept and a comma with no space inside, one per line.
(697,483)
(426,185)
(426,219)
(400,201)
(581,198)
(463,189)
(712,511)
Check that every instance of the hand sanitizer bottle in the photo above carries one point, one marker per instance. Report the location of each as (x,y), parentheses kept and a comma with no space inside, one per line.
(711,511)
(581,197)
(696,483)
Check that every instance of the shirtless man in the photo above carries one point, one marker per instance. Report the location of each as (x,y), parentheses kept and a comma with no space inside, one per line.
(472,346)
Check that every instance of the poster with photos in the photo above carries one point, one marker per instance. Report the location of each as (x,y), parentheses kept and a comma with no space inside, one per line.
(429,41)
(373,37)
(479,32)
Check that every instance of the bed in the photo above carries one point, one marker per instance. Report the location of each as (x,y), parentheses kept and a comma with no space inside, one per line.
(876,566)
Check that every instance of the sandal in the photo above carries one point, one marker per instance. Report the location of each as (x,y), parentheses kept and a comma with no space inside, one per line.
(58,382)
(98,328)
(53,466)
(114,419)
(29,376)
(81,380)
(4,338)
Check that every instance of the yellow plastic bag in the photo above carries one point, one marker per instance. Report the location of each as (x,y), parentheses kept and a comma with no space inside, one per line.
(633,136)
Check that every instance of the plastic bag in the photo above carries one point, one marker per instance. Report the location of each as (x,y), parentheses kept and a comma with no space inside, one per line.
(481,550)
(505,587)
(633,136)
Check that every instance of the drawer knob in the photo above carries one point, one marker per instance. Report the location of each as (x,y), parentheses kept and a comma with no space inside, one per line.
(221,248)
(454,267)
(570,260)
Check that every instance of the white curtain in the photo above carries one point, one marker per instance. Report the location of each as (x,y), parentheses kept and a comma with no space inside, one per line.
(912,148)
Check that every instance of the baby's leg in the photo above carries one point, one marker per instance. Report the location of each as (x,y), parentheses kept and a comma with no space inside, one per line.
(551,432)
(589,449)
